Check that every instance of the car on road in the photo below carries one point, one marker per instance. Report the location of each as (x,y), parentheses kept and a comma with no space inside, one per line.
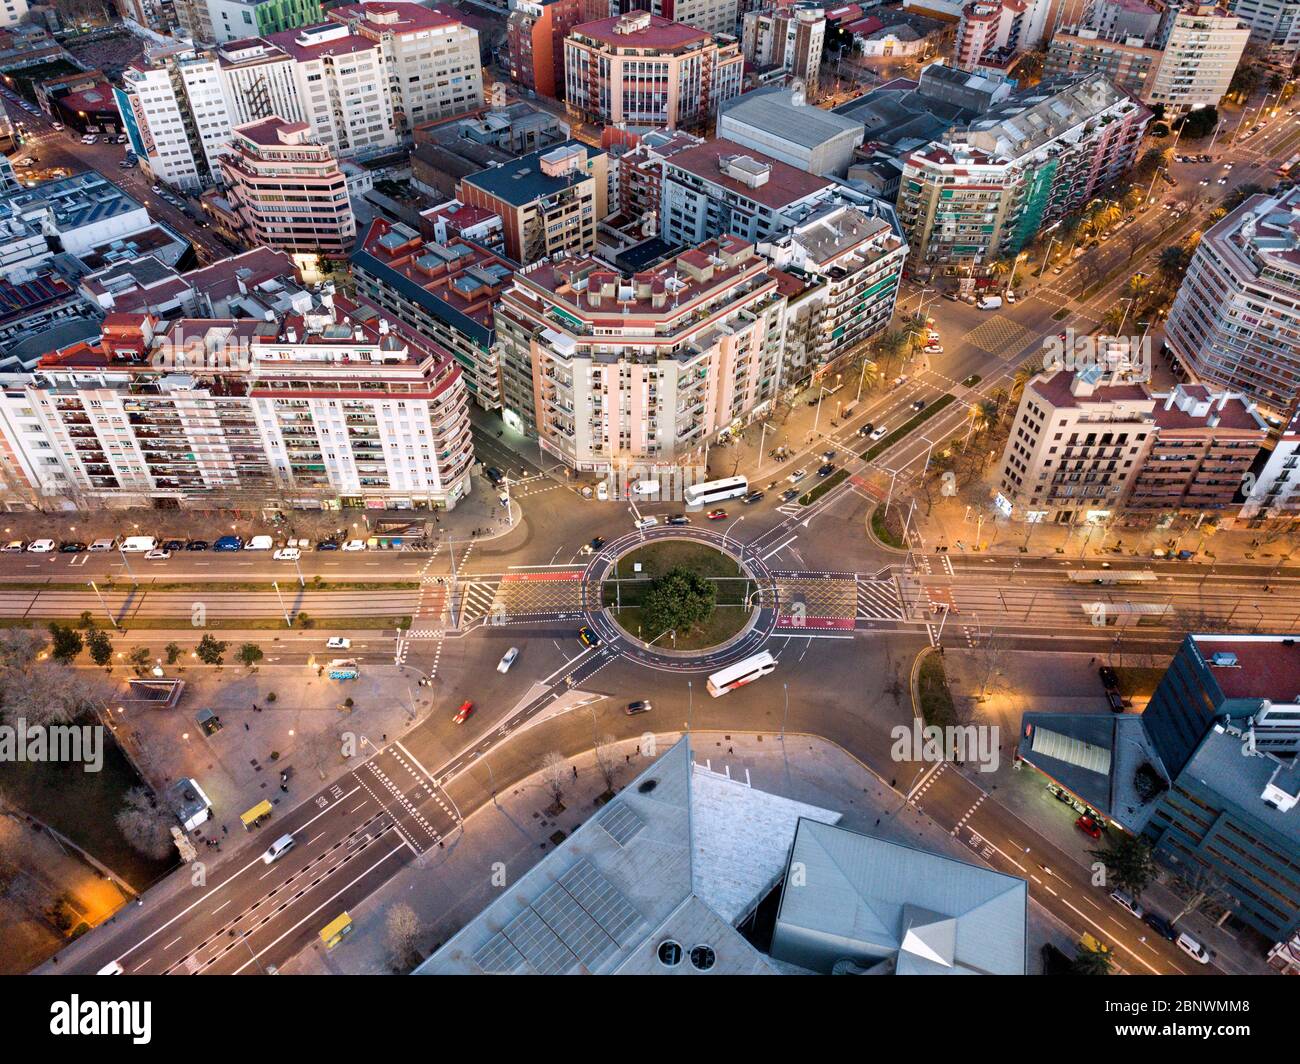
(797,476)
(157,555)
(633,708)
(71,546)
(121,138)
(1115,701)
(1011,296)
(678,519)
(878,433)
(828,455)
(1089,827)
(157,189)
(40,546)
(507,659)
(1160,925)
(597,542)
(174,544)
(646,522)
(1192,948)
(867,429)
(228,543)
(197,545)
(826,470)
(462,714)
(494,474)
(790,494)
(101,545)
(287,554)
(587,637)
(354,545)
(338,642)
(57,127)
(933,349)
(1222,181)
(1127,901)
(1109,678)
(327,544)
(752,497)
(717,515)
(278,849)
(918,404)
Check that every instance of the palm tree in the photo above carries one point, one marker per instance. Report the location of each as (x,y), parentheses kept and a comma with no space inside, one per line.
(1172,261)
(1108,216)
(1133,198)
(1091,962)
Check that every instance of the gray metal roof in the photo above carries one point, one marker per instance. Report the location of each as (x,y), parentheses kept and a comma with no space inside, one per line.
(773,112)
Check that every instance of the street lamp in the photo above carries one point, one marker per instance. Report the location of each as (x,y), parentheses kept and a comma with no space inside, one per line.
(728,529)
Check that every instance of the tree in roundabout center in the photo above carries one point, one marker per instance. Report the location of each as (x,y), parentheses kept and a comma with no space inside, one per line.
(677,601)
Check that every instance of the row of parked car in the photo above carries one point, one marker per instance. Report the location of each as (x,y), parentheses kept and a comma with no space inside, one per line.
(151,547)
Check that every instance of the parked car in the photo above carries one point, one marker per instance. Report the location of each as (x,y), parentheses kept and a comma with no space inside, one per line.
(174,545)
(462,714)
(1115,701)
(40,546)
(1160,925)
(646,522)
(1128,902)
(1109,678)
(354,545)
(327,544)
(678,519)
(71,546)
(933,349)
(228,543)
(587,637)
(197,544)
(14,546)
(287,554)
(1089,827)
(101,545)
(157,555)
(507,659)
(717,515)
(1192,948)
(338,642)
(633,708)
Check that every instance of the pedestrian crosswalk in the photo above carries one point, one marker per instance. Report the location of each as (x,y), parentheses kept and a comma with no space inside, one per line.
(879,600)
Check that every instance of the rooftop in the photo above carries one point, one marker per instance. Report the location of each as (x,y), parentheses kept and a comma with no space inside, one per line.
(523,180)
(70,203)
(784,185)
(394,16)
(640,29)
(776,112)
(323,39)
(1267,666)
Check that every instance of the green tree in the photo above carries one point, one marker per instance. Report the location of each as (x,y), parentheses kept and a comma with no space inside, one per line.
(100,645)
(211,649)
(1128,861)
(173,651)
(65,642)
(86,620)
(1091,962)
(1200,123)
(139,659)
(1172,261)
(249,654)
(678,600)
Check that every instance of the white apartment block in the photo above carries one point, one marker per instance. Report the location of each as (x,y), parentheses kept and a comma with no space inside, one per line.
(1273,23)
(1201,53)
(12,12)
(258,79)
(1277,487)
(432,59)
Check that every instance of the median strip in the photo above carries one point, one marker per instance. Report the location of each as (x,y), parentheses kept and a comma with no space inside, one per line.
(908,426)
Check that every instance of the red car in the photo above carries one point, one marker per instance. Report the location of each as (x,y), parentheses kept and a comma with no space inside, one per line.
(462,714)
(717,515)
(1089,827)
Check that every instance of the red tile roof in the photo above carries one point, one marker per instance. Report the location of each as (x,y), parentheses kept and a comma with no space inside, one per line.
(661,33)
(785,183)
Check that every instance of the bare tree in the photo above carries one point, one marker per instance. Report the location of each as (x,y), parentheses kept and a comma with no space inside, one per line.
(607,759)
(402,929)
(49,693)
(145,825)
(553,775)
(1199,889)
(19,647)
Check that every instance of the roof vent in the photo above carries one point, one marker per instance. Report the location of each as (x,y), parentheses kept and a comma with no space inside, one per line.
(647,786)
(1224,659)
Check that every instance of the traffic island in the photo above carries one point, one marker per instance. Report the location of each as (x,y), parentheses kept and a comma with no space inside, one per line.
(686,596)
(887,528)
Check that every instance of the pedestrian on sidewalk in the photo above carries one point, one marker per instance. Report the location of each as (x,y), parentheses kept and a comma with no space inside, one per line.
(575,772)
(245,725)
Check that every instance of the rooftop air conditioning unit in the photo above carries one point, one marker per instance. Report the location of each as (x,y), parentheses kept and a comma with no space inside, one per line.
(1224,659)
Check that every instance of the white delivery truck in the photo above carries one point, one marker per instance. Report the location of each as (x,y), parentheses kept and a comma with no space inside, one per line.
(991,303)
(259,543)
(138,544)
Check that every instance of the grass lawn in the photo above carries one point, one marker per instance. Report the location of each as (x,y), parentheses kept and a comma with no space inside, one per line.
(889,530)
(810,497)
(656,559)
(82,805)
(907,427)
(933,694)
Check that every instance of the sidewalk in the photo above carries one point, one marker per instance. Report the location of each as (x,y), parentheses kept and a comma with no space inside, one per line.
(500,843)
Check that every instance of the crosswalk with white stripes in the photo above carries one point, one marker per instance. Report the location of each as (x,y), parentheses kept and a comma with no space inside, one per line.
(879,600)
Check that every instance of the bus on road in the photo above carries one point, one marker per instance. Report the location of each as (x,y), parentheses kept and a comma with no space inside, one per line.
(712,491)
(741,673)
(1112,576)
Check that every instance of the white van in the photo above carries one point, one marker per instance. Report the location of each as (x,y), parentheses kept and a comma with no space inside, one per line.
(278,849)
(139,544)
(991,303)
(259,543)
(101,545)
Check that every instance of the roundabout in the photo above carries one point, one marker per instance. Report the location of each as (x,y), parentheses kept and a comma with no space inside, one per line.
(746,639)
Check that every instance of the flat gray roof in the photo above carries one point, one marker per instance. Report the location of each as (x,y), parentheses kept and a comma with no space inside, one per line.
(773,112)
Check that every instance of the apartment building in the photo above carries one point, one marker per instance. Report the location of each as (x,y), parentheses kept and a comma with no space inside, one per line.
(1274,24)
(432,59)
(719,187)
(640,173)
(1202,47)
(790,39)
(12,12)
(1235,321)
(173,107)
(330,406)
(288,191)
(983,192)
(233,20)
(194,21)
(549,201)
(343,89)
(1276,488)
(613,373)
(259,81)
(443,290)
(848,266)
(641,69)
(989,27)
(1120,19)
(535,35)
(1129,64)
(1082,445)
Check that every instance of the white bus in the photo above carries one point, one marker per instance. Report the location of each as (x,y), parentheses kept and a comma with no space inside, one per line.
(741,673)
(712,491)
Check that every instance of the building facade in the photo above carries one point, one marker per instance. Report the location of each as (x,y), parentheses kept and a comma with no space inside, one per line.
(790,39)
(644,70)
(1202,47)
(1235,321)
(233,20)
(1276,490)
(288,190)
(535,34)
(640,372)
